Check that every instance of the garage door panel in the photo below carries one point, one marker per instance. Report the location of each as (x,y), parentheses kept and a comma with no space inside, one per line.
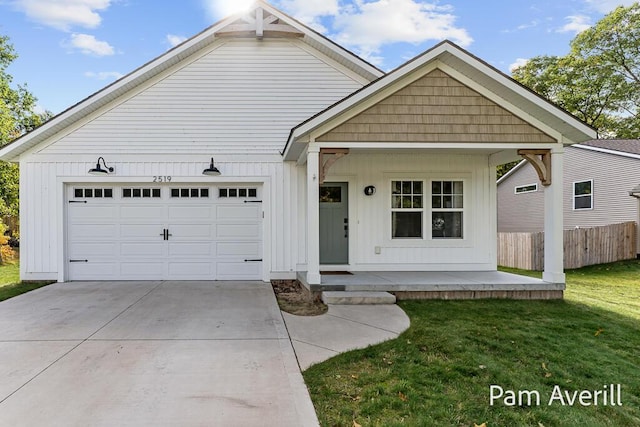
(141,249)
(89,232)
(238,212)
(190,231)
(191,270)
(93,270)
(141,231)
(237,231)
(190,212)
(246,249)
(87,250)
(142,268)
(191,249)
(142,212)
(238,270)
(91,213)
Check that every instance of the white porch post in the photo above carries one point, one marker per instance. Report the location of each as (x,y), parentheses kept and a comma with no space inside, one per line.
(553,222)
(313,215)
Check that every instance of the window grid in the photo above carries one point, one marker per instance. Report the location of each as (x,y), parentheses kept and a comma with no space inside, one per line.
(237,192)
(191,193)
(88,193)
(141,193)
(447,207)
(531,188)
(407,209)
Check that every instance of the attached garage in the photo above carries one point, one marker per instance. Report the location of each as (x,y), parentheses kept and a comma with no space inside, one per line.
(164,232)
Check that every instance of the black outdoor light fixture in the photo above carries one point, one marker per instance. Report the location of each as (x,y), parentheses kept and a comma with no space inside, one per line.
(635,192)
(211,170)
(98,171)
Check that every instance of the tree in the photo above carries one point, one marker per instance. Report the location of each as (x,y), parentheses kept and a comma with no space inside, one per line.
(599,80)
(17,117)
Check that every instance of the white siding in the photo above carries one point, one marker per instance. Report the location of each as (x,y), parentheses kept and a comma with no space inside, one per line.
(242,96)
(370,223)
(40,219)
(613,177)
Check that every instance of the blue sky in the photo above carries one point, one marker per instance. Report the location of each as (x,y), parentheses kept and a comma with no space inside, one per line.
(69,49)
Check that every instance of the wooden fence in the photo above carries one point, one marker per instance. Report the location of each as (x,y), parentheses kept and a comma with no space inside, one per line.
(582,246)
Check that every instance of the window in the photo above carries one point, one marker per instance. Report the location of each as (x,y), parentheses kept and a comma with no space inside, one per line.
(140,193)
(193,193)
(237,192)
(330,194)
(87,193)
(447,203)
(407,209)
(526,188)
(583,195)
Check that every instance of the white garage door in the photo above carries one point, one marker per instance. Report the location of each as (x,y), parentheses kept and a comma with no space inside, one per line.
(186,232)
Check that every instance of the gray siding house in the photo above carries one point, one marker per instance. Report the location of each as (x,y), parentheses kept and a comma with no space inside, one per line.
(598,176)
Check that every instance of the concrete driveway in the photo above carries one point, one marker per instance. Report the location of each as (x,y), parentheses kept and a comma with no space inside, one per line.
(149,353)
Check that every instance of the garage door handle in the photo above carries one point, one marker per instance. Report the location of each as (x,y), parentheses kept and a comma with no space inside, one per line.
(253,260)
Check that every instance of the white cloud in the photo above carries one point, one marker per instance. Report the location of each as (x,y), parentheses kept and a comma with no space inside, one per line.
(606,6)
(309,12)
(175,40)
(104,75)
(519,63)
(64,14)
(369,26)
(89,45)
(576,24)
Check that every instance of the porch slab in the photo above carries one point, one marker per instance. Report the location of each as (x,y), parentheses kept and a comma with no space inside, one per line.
(433,281)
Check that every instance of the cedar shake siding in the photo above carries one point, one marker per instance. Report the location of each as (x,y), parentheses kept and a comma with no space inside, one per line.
(436,108)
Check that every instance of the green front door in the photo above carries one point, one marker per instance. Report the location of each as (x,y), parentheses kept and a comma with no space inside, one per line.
(334,223)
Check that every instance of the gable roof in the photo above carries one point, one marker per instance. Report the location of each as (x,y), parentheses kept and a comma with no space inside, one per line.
(448,53)
(618,147)
(172,57)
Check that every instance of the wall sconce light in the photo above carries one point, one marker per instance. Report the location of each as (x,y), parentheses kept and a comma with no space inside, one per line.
(635,192)
(369,190)
(211,170)
(98,171)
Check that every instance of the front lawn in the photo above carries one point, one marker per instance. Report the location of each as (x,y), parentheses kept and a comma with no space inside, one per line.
(10,285)
(440,371)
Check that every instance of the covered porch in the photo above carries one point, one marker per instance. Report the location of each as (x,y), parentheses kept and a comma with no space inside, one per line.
(439,284)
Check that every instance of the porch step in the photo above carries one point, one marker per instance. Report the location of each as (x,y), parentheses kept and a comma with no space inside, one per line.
(357,297)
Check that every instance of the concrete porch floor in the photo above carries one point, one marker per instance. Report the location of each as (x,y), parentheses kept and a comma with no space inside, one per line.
(431,281)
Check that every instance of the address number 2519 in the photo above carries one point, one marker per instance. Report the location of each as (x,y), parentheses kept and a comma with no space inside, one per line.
(163,178)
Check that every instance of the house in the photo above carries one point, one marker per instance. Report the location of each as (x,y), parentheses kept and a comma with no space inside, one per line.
(261,150)
(598,176)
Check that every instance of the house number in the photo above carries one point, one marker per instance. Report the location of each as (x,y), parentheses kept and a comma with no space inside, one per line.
(162,179)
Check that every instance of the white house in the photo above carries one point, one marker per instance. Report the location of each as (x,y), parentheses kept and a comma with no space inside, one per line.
(325,162)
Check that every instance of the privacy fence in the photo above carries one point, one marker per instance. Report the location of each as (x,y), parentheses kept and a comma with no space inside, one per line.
(582,246)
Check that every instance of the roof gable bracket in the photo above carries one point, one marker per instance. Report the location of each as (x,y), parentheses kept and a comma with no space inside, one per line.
(541,162)
(328,156)
(259,23)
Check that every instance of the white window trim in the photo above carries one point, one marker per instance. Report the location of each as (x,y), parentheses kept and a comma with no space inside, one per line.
(573,198)
(535,184)
(427,241)
(423,209)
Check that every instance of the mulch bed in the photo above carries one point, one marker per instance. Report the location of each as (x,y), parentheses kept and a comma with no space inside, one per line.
(296,299)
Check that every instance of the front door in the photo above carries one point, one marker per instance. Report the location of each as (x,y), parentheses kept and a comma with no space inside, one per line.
(334,223)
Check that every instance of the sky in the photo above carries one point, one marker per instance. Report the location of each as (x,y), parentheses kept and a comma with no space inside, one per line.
(69,49)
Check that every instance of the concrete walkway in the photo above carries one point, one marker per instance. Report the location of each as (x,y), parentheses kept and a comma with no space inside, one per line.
(149,353)
(343,328)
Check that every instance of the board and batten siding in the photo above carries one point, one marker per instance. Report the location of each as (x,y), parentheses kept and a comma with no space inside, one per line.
(240,96)
(436,108)
(40,217)
(370,216)
(613,177)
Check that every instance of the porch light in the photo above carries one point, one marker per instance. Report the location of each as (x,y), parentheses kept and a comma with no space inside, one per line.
(635,192)
(98,171)
(211,170)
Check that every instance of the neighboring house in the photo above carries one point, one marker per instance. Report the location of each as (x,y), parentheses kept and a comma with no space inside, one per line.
(325,162)
(598,176)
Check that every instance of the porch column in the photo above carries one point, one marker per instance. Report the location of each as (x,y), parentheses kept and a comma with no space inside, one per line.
(313,216)
(554,222)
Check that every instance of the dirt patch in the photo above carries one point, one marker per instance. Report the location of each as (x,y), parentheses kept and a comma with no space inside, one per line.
(296,299)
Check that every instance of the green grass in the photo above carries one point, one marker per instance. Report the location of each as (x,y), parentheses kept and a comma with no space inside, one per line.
(10,285)
(438,373)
